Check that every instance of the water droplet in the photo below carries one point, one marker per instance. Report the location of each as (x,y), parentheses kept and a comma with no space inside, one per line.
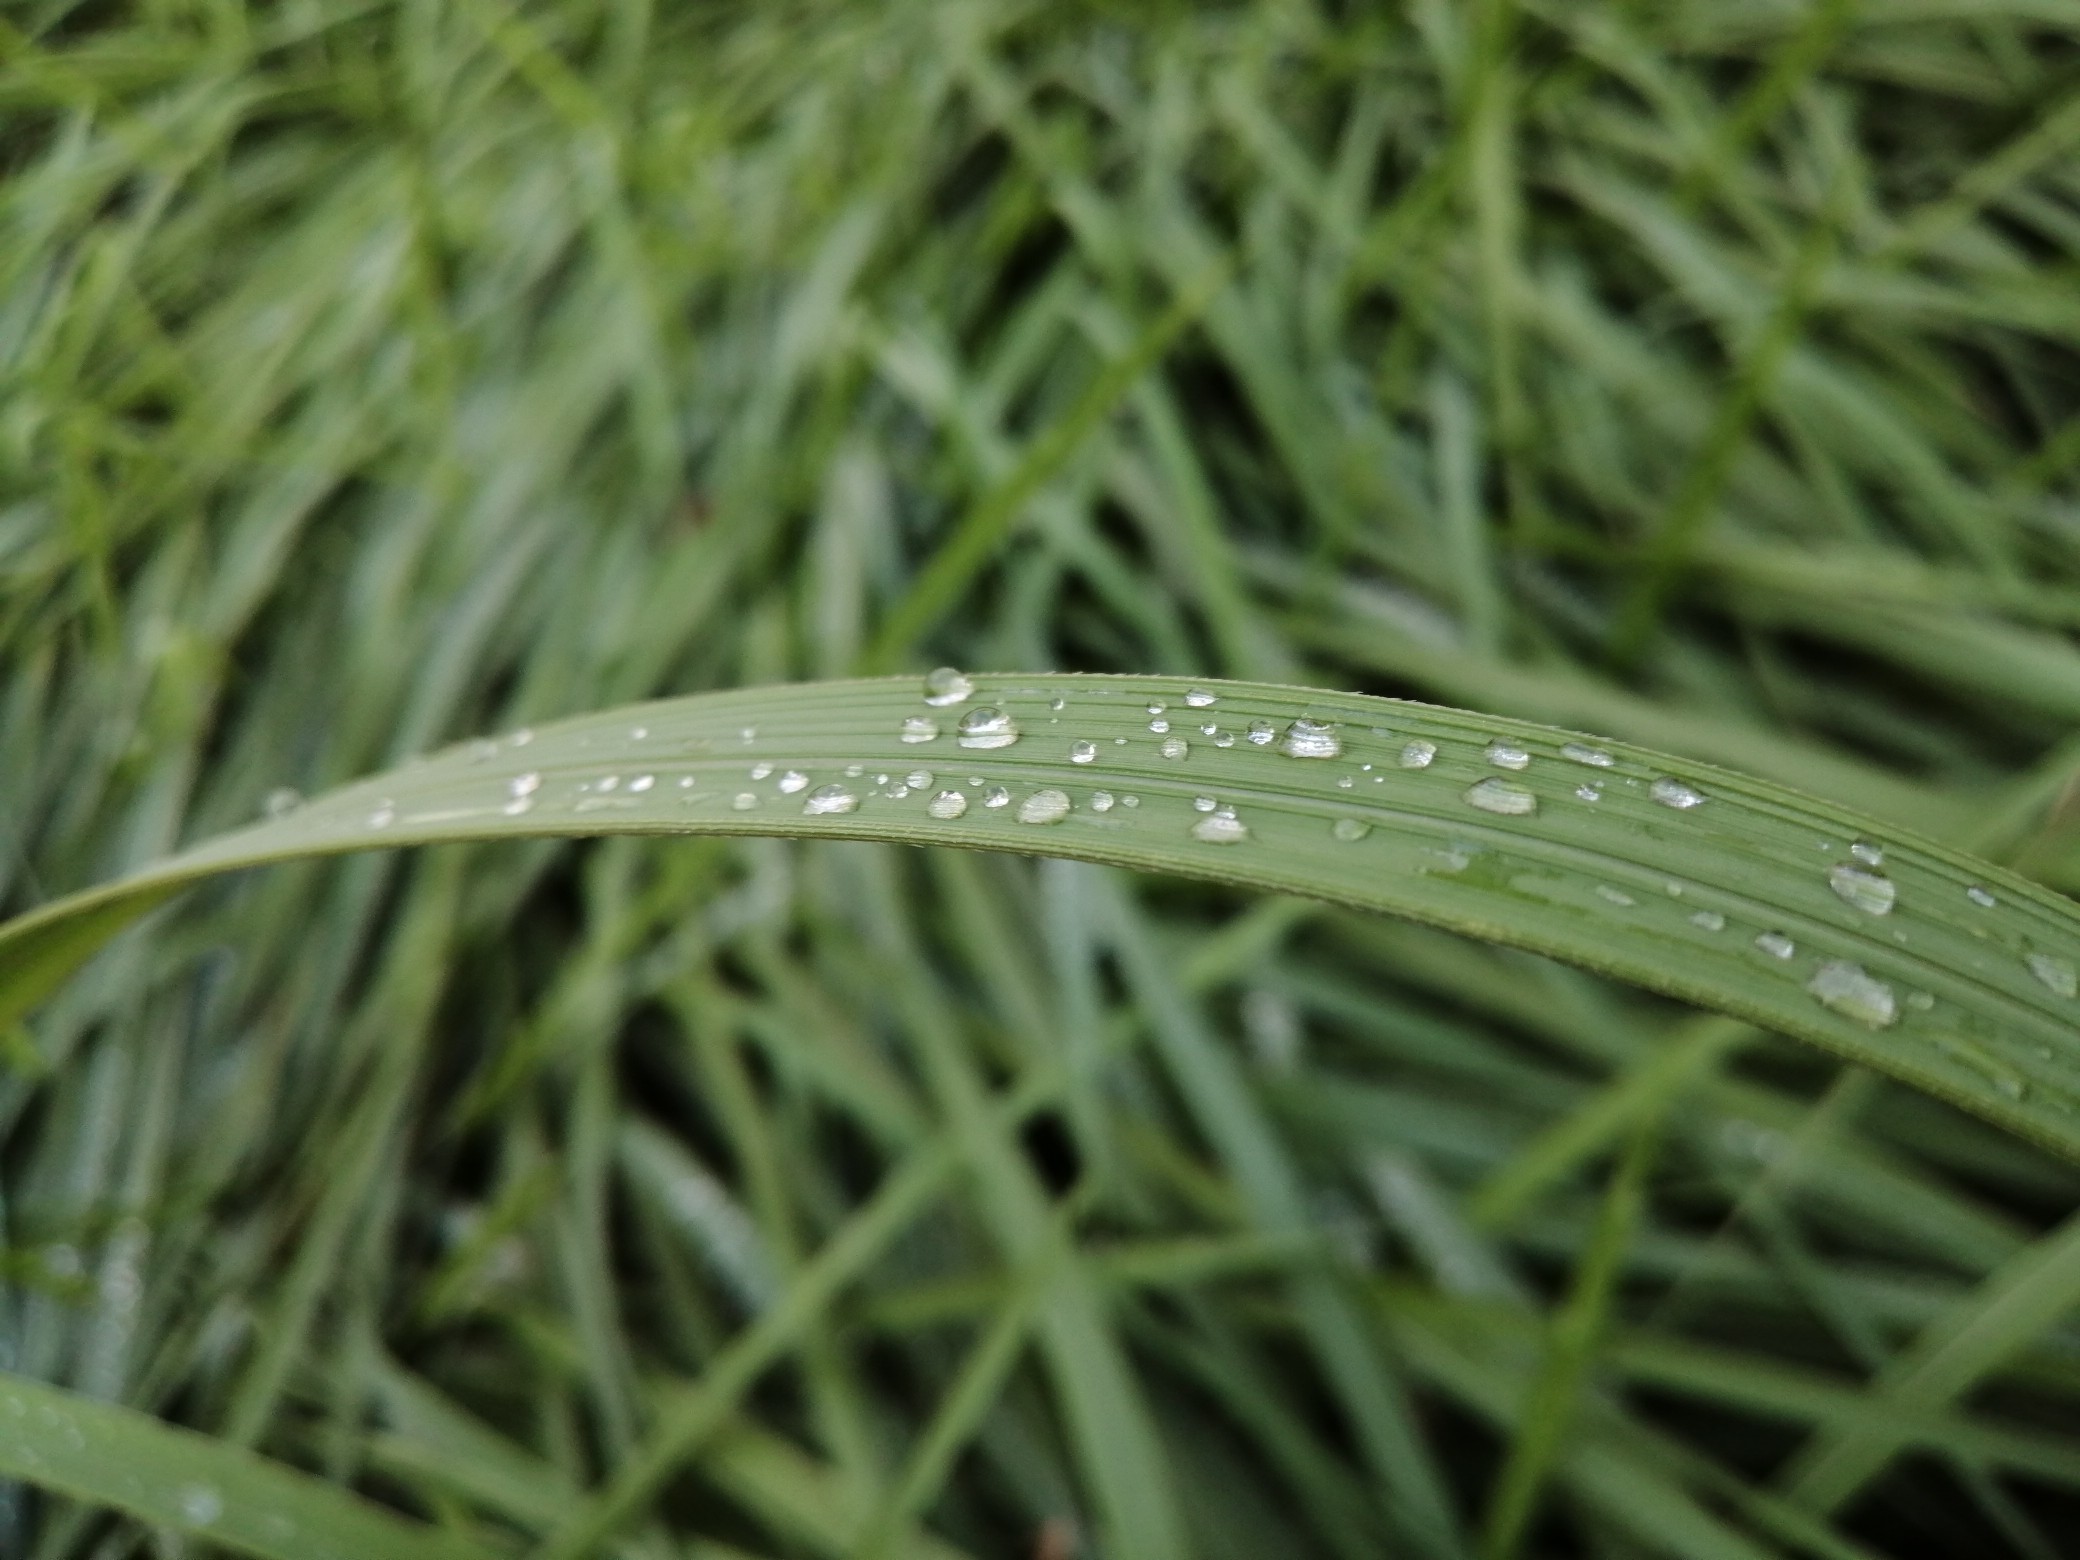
(1616,896)
(1676,794)
(1048,806)
(920,728)
(1262,733)
(1344,782)
(947,804)
(744,801)
(1920,1001)
(1870,855)
(1058,704)
(1221,828)
(1157,707)
(918,779)
(986,726)
(1504,755)
(610,783)
(1350,829)
(686,782)
(524,785)
(1980,897)
(1497,795)
(1580,753)
(996,796)
(1225,740)
(1709,920)
(1311,739)
(1869,891)
(200,1504)
(1130,801)
(1204,804)
(638,733)
(643,783)
(2054,972)
(1159,725)
(1776,945)
(1175,747)
(1200,699)
(748,735)
(1850,990)
(1083,752)
(826,800)
(1101,801)
(1210,729)
(945,686)
(854,771)
(282,801)
(1589,793)
(384,815)
(791,782)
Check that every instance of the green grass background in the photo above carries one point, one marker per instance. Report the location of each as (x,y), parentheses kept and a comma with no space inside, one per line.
(374,374)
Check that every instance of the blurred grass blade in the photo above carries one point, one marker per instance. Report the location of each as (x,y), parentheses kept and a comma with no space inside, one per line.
(1916,960)
(216,1493)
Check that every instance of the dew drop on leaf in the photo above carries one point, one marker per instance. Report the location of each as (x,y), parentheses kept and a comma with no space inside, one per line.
(1980,897)
(1175,747)
(945,685)
(996,796)
(1083,752)
(1044,806)
(200,1504)
(1616,896)
(743,801)
(1589,793)
(947,804)
(1418,754)
(1505,755)
(793,781)
(827,800)
(1199,699)
(1850,990)
(384,815)
(1221,828)
(1262,733)
(1676,793)
(1870,855)
(1311,739)
(986,726)
(642,783)
(1867,889)
(1350,829)
(1159,725)
(1204,804)
(1101,801)
(918,779)
(1506,797)
(920,728)
(1709,920)
(2054,972)
(1776,945)
(1581,753)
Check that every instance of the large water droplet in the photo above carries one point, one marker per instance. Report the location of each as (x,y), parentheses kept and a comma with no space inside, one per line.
(1311,739)
(1868,890)
(1175,747)
(1980,897)
(947,804)
(1350,829)
(2054,972)
(1870,855)
(1046,806)
(1199,699)
(986,726)
(793,781)
(945,686)
(1221,828)
(826,800)
(1676,793)
(1580,753)
(1101,801)
(1850,990)
(1418,754)
(920,728)
(1709,920)
(1083,752)
(1497,795)
(1506,755)
(1776,945)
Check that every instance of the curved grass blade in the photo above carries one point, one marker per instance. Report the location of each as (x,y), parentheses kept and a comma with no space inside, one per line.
(1735,894)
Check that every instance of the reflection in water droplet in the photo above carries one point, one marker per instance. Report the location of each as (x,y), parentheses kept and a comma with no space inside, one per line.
(282,801)
(1870,855)
(1579,753)
(1159,725)
(1311,739)
(1199,699)
(1676,794)
(918,779)
(1349,829)
(986,726)
(1046,806)
(1344,782)
(638,733)
(945,686)
(1082,752)
(1848,989)
(1262,733)
(1980,897)
(1175,747)
(920,728)
(1101,801)
(1418,754)
(828,799)
(1616,896)
(1776,945)
(1869,891)
(947,804)
(1221,828)
(2054,972)
(1709,920)
(1505,755)
(791,782)
(1497,795)
(743,801)
(996,796)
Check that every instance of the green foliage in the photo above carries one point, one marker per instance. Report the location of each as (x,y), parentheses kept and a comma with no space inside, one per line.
(380,374)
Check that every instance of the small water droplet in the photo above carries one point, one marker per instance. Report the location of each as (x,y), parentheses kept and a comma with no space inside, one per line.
(1350,829)
(384,815)
(1869,891)
(1204,804)
(1130,801)
(1225,740)
(826,800)
(918,779)
(1581,753)
(1920,1001)
(1344,782)
(748,735)
(1870,855)
(524,785)
(1776,945)
(996,796)
(1418,754)
(643,783)
(1589,793)
(1210,729)
(1497,795)
(919,728)
(1045,806)
(1058,704)
(986,726)
(945,685)
(1676,793)
(1157,707)
(2054,972)
(1221,828)
(854,771)
(1159,725)
(1199,699)
(1083,752)
(282,801)
(200,1504)
(1101,801)
(1262,733)
(744,801)
(1616,896)
(610,783)
(1504,755)
(1311,739)
(947,804)
(1850,990)
(638,733)
(1980,897)
(1709,920)
(1175,747)
(791,782)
